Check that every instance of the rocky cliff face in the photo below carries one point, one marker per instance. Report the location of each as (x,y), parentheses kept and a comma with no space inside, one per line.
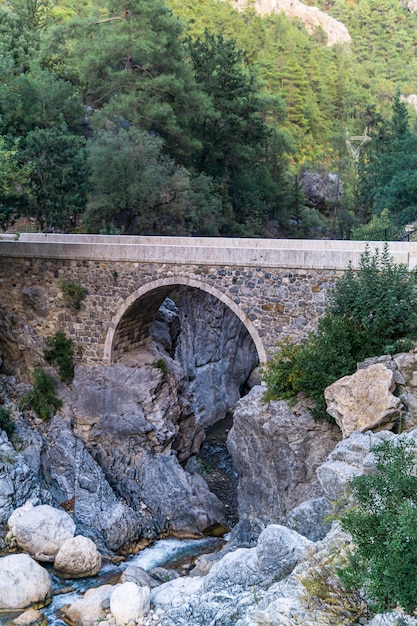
(276,453)
(311,17)
(216,353)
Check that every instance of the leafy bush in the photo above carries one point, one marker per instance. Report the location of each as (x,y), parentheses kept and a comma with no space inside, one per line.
(41,398)
(370,312)
(60,352)
(6,422)
(281,373)
(383,525)
(73,293)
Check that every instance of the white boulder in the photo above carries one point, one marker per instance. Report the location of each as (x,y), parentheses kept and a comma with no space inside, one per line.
(23,583)
(129,603)
(89,610)
(78,557)
(42,530)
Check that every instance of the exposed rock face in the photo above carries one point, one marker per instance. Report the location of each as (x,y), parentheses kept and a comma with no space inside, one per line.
(364,400)
(276,454)
(77,558)
(20,347)
(23,582)
(216,352)
(149,406)
(18,481)
(130,419)
(73,477)
(321,188)
(311,17)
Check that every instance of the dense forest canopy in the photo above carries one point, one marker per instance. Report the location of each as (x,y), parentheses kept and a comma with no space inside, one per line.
(177,117)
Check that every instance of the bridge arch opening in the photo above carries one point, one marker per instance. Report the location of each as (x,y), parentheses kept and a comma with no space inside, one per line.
(217,346)
(131,326)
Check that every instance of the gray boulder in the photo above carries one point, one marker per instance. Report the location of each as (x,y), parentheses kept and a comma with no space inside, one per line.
(78,557)
(41,530)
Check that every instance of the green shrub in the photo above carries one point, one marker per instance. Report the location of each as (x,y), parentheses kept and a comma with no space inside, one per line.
(370,312)
(162,365)
(281,373)
(60,352)
(383,525)
(73,293)
(41,398)
(6,422)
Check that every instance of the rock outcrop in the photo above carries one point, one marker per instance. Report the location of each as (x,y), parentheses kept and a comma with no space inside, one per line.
(216,352)
(76,481)
(130,419)
(321,188)
(364,401)
(276,453)
(311,17)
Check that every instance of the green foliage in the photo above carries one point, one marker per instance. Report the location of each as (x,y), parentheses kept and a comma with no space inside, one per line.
(383,525)
(387,175)
(57,170)
(144,191)
(280,373)
(41,398)
(6,422)
(73,293)
(162,365)
(370,312)
(60,352)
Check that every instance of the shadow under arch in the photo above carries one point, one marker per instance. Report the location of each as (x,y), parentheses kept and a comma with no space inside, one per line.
(124,332)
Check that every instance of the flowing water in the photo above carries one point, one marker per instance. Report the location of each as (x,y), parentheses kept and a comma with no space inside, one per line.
(214,463)
(165,552)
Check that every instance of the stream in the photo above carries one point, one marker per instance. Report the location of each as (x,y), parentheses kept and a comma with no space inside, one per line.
(214,463)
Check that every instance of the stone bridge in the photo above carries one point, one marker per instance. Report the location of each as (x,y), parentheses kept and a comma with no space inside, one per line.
(277,288)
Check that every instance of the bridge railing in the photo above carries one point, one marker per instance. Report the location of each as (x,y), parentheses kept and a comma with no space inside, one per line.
(204,251)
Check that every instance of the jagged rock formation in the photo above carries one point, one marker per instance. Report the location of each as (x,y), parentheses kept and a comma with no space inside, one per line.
(311,17)
(131,420)
(216,353)
(276,453)
(321,188)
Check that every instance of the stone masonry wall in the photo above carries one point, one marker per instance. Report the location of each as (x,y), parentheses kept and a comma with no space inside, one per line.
(278,302)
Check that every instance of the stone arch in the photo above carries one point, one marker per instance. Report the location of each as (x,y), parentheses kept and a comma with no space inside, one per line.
(146,300)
